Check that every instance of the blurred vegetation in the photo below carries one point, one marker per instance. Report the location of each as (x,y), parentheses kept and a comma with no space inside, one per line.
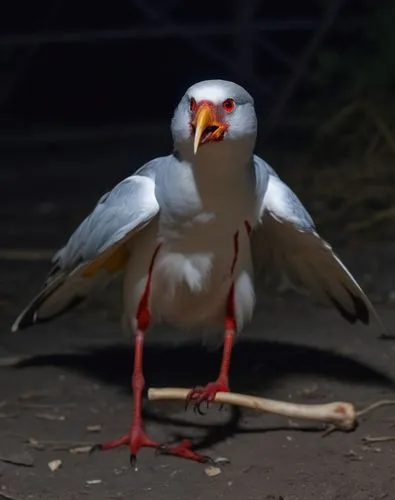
(353,102)
(357,81)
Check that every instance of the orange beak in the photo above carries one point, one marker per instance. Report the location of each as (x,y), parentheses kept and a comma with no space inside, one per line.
(207,127)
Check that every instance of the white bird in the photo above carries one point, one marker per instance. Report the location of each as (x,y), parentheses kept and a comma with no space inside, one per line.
(191,230)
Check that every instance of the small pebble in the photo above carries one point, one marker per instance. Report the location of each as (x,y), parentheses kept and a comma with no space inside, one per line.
(212,471)
(80,449)
(55,465)
(93,428)
(93,481)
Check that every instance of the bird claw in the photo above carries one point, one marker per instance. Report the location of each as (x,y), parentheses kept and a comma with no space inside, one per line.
(206,459)
(183,450)
(197,408)
(96,447)
(133,461)
(207,394)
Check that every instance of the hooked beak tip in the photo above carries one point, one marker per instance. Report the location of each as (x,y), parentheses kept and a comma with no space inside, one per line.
(195,146)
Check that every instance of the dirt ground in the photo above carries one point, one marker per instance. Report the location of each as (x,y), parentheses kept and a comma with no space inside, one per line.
(73,390)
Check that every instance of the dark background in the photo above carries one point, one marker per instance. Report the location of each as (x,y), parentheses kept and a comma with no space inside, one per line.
(82,64)
(87,90)
(133,60)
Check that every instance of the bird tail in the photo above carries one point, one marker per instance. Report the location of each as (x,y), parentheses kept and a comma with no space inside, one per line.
(60,294)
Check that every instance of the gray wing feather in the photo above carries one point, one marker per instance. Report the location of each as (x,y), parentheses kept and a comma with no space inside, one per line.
(286,242)
(261,167)
(131,203)
(127,208)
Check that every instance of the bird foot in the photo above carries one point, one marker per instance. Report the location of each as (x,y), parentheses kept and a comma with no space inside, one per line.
(137,439)
(207,394)
(183,450)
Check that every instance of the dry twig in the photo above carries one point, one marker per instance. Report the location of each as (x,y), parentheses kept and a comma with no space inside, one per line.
(59,445)
(7,496)
(340,414)
(19,459)
(374,406)
(379,439)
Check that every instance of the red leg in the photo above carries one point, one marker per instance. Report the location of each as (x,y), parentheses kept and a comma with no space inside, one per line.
(208,393)
(136,438)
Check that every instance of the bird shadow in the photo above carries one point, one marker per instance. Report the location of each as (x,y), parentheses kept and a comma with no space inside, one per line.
(256,366)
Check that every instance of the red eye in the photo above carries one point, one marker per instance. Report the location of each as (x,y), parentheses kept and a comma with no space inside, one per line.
(192,104)
(229,105)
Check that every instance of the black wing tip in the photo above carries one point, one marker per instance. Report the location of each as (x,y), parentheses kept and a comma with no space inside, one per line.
(30,318)
(361,311)
(25,320)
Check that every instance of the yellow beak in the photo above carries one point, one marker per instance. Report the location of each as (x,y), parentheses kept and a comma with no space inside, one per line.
(204,118)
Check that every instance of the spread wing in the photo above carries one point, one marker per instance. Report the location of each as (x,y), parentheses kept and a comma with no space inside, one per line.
(287,243)
(96,251)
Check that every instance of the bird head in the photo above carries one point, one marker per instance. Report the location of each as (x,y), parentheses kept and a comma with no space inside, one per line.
(214,114)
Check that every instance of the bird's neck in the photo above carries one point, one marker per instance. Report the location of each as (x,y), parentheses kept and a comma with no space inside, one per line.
(219,160)
(222,177)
